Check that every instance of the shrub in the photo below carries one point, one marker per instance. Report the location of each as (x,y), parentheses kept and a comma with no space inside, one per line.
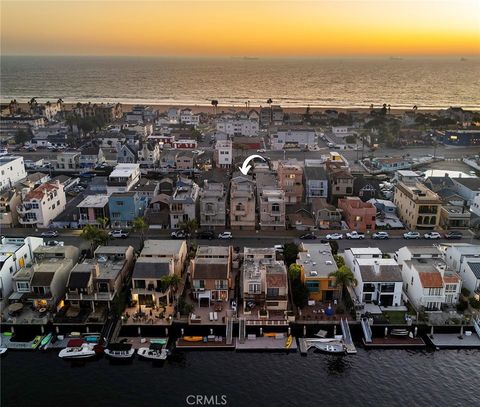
(462,305)
(339,260)
(465,292)
(474,303)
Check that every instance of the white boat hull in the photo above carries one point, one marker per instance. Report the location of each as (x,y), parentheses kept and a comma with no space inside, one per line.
(119,354)
(151,354)
(83,352)
(3,350)
(330,348)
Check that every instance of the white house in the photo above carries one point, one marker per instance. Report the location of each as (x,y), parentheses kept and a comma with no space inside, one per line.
(187,117)
(123,178)
(467,188)
(285,137)
(183,203)
(223,153)
(465,260)
(42,205)
(428,281)
(379,280)
(238,127)
(12,170)
(15,253)
(475,206)
(343,131)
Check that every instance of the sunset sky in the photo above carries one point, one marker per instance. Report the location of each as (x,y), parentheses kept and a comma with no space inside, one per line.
(229,28)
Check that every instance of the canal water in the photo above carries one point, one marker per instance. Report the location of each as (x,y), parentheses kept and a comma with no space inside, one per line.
(370,378)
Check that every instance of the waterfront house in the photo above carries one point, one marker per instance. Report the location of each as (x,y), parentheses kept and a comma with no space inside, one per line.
(428,282)
(264,280)
(237,127)
(45,280)
(379,280)
(359,215)
(465,260)
(317,262)
(38,208)
(213,200)
(418,206)
(15,254)
(97,282)
(183,203)
(210,273)
(288,137)
(467,188)
(170,249)
(242,203)
(290,179)
(91,208)
(68,160)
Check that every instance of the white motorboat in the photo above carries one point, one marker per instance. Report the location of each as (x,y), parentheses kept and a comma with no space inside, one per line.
(119,351)
(330,347)
(153,353)
(3,350)
(78,351)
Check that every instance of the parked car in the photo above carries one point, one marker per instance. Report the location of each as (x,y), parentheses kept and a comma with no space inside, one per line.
(278,248)
(261,150)
(225,235)
(411,235)
(205,234)
(54,243)
(118,234)
(50,233)
(179,234)
(308,236)
(355,235)
(453,235)
(432,235)
(334,236)
(380,235)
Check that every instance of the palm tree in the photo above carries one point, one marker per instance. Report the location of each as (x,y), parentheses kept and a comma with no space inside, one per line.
(170,283)
(94,235)
(102,221)
(140,225)
(188,226)
(344,278)
(215,104)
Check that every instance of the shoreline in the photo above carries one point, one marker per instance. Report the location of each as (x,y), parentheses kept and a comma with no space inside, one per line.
(209,109)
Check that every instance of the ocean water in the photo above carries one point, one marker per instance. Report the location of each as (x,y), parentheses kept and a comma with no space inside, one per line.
(378,378)
(321,82)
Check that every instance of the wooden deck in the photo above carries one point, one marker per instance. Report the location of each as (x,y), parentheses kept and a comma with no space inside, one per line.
(266,343)
(395,342)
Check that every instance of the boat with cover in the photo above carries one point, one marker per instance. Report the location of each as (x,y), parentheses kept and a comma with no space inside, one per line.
(399,332)
(154,352)
(119,351)
(77,349)
(336,348)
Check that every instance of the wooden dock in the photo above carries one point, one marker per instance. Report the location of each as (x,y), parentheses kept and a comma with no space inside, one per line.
(266,343)
(218,344)
(454,341)
(138,342)
(395,342)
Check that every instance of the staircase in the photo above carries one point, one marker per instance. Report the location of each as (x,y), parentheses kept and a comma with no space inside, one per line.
(476,325)
(367,330)
(241,330)
(229,333)
(347,336)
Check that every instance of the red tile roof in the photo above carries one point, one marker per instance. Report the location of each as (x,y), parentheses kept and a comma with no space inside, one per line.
(431,279)
(40,191)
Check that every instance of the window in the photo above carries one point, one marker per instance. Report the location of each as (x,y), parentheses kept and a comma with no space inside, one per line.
(272,292)
(139,284)
(23,286)
(313,286)
(221,284)
(254,288)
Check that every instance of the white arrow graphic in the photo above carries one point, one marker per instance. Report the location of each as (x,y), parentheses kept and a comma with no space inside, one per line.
(245,167)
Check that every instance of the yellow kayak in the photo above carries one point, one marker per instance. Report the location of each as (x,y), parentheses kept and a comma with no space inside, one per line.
(272,334)
(288,342)
(193,338)
(36,341)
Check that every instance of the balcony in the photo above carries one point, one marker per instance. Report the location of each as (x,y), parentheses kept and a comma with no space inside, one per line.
(107,296)
(432,298)
(27,221)
(24,208)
